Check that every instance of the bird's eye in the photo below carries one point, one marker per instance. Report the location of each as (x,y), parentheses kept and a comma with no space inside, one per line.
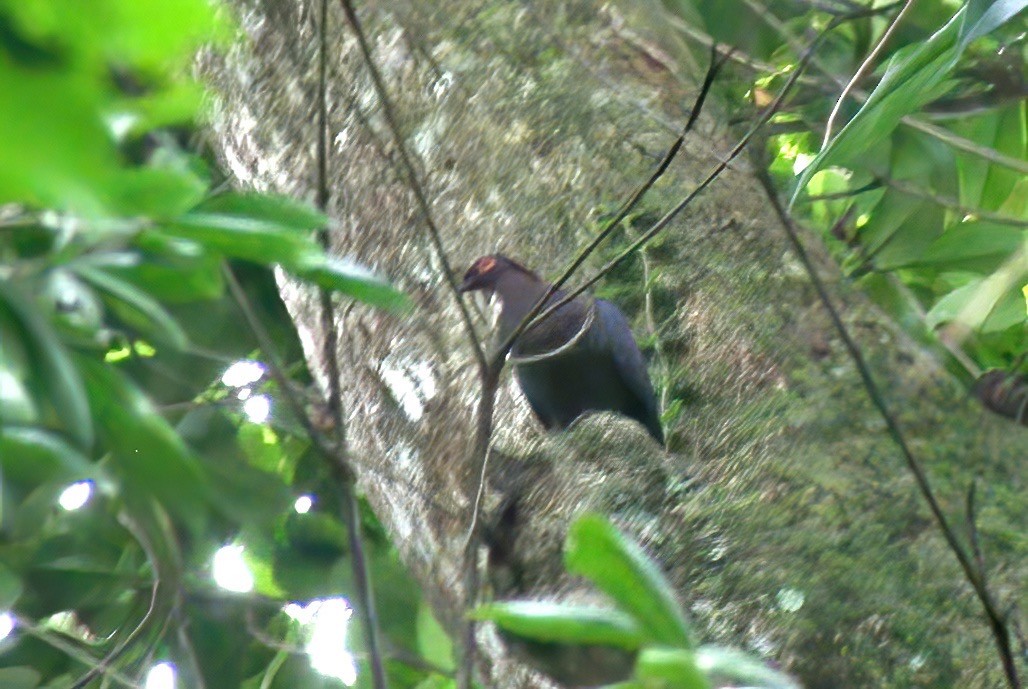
(485,265)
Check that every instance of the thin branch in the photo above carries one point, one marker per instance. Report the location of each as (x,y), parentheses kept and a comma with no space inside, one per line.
(58,642)
(996,619)
(490,377)
(412,180)
(944,135)
(951,203)
(151,610)
(335,458)
(345,476)
(863,69)
(714,174)
(530,318)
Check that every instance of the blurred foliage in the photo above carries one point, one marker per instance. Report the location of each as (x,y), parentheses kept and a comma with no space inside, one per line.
(921,189)
(645,642)
(124,464)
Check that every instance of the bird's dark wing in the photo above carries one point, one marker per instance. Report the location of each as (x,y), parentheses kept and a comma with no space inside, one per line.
(616,337)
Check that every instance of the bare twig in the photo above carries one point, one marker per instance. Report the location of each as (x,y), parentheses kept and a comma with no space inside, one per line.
(863,69)
(156,589)
(714,174)
(996,619)
(413,182)
(531,317)
(491,375)
(58,642)
(335,458)
(345,476)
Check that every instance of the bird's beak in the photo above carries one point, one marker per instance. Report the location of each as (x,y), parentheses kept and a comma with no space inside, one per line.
(467,285)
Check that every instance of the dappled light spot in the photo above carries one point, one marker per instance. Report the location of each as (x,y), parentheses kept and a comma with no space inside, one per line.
(6,625)
(230,570)
(326,622)
(257,408)
(411,384)
(790,600)
(76,495)
(242,373)
(161,676)
(303,504)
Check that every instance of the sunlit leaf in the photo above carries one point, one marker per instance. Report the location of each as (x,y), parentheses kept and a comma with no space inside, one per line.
(277,209)
(913,77)
(569,624)
(670,668)
(599,552)
(740,669)
(352,280)
(257,240)
(985,16)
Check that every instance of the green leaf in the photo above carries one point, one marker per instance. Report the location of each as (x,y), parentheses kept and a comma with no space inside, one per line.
(172,269)
(58,378)
(619,567)
(267,208)
(10,588)
(990,304)
(670,668)
(566,624)
(136,307)
(156,192)
(34,456)
(352,280)
(434,644)
(16,404)
(985,16)
(19,678)
(148,455)
(260,241)
(740,669)
(913,77)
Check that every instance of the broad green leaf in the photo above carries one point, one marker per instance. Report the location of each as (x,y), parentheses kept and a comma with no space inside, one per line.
(156,192)
(34,456)
(59,114)
(983,184)
(266,207)
(16,404)
(250,239)
(972,241)
(599,552)
(58,378)
(567,624)
(989,304)
(136,307)
(10,588)
(173,270)
(352,280)
(148,455)
(434,644)
(985,16)
(19,678)
(913,77)
(670,668)
(740,669)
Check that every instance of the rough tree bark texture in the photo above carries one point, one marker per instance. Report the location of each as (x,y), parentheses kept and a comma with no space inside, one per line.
(782,512)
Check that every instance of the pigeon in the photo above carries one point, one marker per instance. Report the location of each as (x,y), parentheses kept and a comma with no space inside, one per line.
(582,358)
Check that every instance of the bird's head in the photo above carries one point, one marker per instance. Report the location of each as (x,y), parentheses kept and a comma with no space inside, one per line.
(487,270)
